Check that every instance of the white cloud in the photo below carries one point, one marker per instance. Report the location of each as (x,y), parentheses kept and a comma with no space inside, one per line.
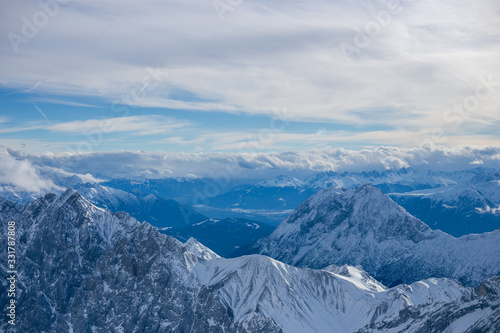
(64,102)
(267,140)
(141,125)
(130,164)
(431,56)
(22,174)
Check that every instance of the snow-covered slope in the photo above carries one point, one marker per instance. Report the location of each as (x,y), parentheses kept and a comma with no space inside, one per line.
(82,268)
(199,250)
(337,299)
(472,314)
(366,227)
(302,300)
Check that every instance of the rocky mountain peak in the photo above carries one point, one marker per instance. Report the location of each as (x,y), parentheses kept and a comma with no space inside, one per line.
(364,208)
(365,227)
(199,250)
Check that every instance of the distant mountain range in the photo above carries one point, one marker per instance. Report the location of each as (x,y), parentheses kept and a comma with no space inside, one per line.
(181,221)
(82,268)
(470,205)
(462,209)
(162,213)
(458,202)
(181,189)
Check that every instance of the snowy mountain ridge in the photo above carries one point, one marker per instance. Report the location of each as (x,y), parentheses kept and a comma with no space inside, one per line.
(303,300)
(83,267)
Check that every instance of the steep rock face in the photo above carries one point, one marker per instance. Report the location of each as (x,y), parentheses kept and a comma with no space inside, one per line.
(364,226)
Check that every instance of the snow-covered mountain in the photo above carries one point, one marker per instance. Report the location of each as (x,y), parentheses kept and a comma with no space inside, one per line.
(37,180)
(159,212)
(59,181)
(457,209)
(394,180)
(180,221)
(343,299)
(366,227)
(162,213)
(16,194)
(281,181)
(82,268)
(181,189)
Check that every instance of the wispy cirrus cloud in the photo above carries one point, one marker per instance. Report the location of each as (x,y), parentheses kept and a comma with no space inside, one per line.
(65,102)
(18,129)
(140,125)
(427,58)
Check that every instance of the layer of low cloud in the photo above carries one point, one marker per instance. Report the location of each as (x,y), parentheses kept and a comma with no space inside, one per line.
(23,175)
(140,165)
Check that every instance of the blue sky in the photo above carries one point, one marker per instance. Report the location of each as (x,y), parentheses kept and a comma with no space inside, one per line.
(179,76)
(62,123)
